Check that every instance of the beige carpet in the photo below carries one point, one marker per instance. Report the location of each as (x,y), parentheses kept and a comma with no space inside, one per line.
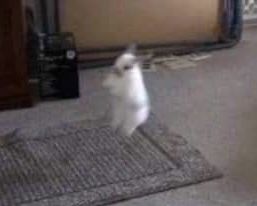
(212,105)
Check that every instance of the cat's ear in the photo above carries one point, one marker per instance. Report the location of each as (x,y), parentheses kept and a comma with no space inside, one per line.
(132,49)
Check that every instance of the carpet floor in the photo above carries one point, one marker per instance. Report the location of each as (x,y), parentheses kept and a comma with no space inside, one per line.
(213,106)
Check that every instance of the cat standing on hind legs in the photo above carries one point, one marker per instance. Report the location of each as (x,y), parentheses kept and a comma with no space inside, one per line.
(130,101)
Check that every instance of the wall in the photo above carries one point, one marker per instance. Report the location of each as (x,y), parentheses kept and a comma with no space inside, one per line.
(101,23)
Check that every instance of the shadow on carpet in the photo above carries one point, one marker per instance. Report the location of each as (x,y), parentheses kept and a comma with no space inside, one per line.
(87,164)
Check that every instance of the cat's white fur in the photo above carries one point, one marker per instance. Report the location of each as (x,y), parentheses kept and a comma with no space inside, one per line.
(130,99)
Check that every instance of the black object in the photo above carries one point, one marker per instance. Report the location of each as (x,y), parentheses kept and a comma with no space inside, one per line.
(50,16)
(32,43)
(44,19)
(58,66)
(57,16)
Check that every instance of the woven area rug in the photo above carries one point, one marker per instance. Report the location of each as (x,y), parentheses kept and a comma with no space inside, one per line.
(88,164)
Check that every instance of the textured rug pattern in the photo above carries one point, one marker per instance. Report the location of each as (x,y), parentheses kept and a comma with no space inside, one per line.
(88,161)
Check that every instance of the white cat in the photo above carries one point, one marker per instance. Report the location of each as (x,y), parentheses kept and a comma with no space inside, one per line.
(131,105)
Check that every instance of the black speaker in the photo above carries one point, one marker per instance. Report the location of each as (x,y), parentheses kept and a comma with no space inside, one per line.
(58,66)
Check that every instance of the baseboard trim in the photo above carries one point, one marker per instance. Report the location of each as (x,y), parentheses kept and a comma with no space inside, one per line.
(16,102)
(250,22)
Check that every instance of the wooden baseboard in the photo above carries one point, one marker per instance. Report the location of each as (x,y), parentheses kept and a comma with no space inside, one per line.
(250,22)
(16,102)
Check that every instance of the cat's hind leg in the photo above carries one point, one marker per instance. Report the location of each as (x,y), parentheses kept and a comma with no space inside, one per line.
(117,117)
(133,120)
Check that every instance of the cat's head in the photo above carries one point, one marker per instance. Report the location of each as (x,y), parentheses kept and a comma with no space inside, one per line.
(127,60)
